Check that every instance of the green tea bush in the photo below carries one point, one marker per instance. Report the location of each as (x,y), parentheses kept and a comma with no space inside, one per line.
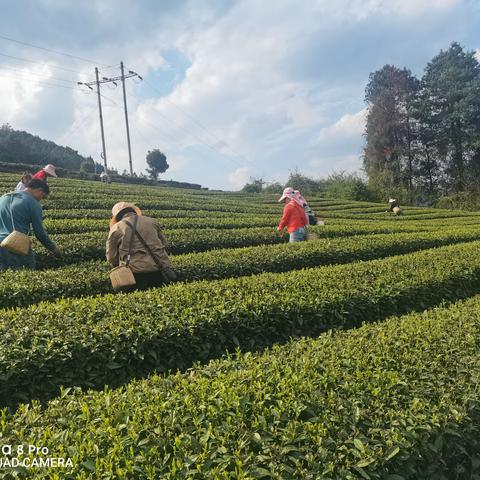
(389,401)
(108,340)
(91,278)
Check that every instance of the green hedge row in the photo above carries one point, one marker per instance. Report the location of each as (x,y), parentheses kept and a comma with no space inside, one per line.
(91,278)
(79,225)
(390,401)
(59,226)
(164,202)
(91,245)
(106,214)
(408,216)
(108,340)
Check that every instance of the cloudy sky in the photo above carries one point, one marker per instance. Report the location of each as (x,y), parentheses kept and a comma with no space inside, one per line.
(231,89)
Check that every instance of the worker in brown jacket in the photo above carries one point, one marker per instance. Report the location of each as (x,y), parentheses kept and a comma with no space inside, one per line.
(149,261)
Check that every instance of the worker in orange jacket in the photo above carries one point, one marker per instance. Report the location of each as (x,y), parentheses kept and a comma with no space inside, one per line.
(294,217)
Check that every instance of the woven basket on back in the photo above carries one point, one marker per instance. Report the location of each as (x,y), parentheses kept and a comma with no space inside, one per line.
(121,277)
(397,210)
(16,242)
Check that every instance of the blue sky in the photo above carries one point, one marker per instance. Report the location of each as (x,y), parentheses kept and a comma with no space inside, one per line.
(231,89)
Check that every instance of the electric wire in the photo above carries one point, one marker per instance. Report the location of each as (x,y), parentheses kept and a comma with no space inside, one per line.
(38,63)
(37,75)
(39,82)
(3,37)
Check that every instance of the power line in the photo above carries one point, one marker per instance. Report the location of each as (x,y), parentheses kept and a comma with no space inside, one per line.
(74,128)
(39,82)
(68,134)
(188,115)
(194,135)
(131,74)
(164,134)
(179,108)
(169,136)
(38,63)
(37,74)
(185,113)
(3,37)
(230,154)
(151,125)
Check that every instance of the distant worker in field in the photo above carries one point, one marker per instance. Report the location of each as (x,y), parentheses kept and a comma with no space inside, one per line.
(294,217)
(17,212)
(22,184)
(45,172)
(104,178)
(393,206)
(137,242)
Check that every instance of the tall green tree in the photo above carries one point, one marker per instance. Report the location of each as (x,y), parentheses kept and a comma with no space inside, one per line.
(449,115)
(389,155)
(157,161)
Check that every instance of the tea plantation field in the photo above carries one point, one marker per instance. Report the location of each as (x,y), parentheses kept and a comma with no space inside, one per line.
(353,356)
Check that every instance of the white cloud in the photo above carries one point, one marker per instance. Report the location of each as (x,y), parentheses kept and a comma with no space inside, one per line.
(350,125)
(21,88)
(239,177)
(362,9)
(326,165)
(477,54)
(178,163)
(234,78)
(416,7)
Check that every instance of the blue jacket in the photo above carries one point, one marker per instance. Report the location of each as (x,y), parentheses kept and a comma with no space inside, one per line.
(26,211)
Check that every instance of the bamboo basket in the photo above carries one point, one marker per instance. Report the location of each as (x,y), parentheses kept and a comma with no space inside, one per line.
(397,210)
(17,242)
(312,236)
(121,277)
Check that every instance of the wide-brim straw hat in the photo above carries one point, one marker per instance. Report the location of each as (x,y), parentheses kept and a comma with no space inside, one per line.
(118,207)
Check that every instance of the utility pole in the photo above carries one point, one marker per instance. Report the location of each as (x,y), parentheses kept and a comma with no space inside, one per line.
(113,80)
(89,85)
(101,121)
(126,120)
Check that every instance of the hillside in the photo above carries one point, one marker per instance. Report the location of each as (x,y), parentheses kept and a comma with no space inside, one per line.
(20,151)
(22,147)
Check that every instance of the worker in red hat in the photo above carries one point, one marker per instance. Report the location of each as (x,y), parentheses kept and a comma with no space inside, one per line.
(45,172)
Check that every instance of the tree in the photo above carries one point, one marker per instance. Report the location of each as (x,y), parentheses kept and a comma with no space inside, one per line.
(87,166)
(255,185)
(449,106)
(306,185)
(157,161)
(390,134)
(99,168)
(349,186)
(274,187)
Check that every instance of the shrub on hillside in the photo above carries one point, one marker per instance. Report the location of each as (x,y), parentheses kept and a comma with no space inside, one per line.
(348,186)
